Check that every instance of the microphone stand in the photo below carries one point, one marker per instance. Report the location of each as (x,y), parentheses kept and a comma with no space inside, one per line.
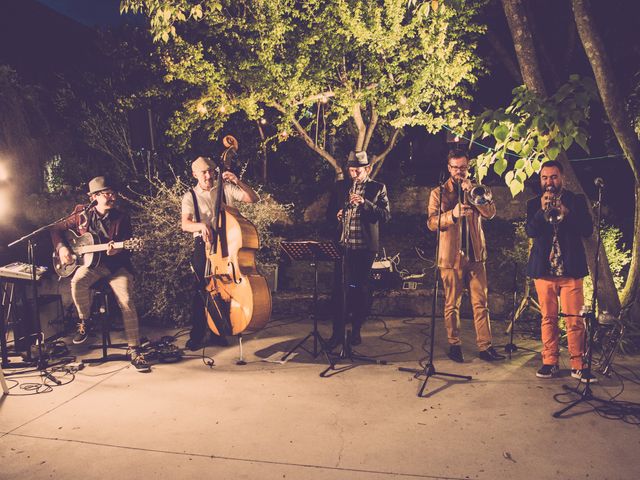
(590,317)
(429,369)
(41,364)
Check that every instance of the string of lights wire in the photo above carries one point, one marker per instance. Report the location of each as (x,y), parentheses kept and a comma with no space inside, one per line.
(490,149)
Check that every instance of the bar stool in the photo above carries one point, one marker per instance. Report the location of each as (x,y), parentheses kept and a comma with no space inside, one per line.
(101,312)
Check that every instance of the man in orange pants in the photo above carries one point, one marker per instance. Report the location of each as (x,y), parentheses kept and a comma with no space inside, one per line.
(557,220)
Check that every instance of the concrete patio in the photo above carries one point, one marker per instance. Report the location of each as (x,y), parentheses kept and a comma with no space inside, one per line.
(274,421)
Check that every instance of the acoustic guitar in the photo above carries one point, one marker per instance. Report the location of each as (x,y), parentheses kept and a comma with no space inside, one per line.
(86,251)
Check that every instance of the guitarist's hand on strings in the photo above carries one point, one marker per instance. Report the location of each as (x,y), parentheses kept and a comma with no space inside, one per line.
(66,257)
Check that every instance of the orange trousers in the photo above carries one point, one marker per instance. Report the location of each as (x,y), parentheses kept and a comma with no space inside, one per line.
(571,302)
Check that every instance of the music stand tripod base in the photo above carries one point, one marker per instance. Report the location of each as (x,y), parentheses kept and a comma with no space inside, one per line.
(312,252)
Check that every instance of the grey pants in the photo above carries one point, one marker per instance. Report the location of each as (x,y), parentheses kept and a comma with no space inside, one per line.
(121,282)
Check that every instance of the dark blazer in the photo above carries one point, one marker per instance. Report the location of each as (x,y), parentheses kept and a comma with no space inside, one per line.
(374,210)
(575,226)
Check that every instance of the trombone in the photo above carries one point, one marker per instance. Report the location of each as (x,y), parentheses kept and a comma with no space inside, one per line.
(478,195)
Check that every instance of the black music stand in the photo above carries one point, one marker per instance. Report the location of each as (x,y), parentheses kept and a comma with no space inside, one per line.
(312,252)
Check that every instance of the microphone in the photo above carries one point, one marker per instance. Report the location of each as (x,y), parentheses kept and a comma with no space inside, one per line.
(599,182)
(90,205)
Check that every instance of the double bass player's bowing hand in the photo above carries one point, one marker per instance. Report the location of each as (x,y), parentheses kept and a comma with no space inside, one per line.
(230,177)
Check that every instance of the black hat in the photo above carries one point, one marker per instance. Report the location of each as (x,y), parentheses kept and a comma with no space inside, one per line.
(357,159)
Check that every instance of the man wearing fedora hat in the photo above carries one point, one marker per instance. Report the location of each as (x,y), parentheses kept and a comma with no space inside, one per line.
(359,204)
(198,210)
(109,224)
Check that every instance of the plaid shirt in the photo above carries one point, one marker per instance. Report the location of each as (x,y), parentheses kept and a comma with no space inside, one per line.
(352,232)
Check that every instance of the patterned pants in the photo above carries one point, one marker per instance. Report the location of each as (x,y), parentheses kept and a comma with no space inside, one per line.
(121,282)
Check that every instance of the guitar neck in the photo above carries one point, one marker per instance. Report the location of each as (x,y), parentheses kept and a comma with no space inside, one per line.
(97,248)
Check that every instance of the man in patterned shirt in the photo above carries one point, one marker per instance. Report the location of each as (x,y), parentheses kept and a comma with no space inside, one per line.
(557,263)
(359,204)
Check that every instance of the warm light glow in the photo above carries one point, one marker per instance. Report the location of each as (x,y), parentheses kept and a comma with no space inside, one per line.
(284,135)
(202,109)
(324,98)
(5,204)
(222,109)
(263,121)
(403,100)
(4,172)
(456,138)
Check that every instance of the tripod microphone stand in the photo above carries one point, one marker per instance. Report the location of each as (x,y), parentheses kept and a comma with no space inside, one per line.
(41,364)
(527,302)
(429,369)
(590,318)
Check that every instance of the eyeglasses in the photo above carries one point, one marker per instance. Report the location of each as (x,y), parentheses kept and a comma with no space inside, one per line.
(107,193)
(462,169)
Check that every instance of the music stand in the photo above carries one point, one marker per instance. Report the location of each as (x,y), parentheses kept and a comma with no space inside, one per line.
(312,252)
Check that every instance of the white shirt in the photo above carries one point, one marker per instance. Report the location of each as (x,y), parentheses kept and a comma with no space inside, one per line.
(206,202)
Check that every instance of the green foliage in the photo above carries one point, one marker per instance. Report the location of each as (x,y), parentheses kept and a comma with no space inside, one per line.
(618,255)
(164,279)
(317,64)
(54,174)
(518,250)
(533,130)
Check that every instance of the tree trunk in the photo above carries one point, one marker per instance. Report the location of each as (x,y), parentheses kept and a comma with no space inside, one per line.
(517,19)
(610,92)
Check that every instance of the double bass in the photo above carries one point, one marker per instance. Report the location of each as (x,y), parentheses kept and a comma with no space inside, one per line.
(238,297)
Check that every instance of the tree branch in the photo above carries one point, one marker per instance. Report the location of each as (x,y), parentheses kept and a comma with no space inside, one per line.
(378,160)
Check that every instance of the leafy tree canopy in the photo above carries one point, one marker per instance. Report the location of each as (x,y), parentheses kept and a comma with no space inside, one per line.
(318,64)
(532,130)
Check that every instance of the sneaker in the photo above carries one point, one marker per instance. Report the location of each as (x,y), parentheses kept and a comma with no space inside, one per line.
(584,375)
(141,364)
(81,333)
(547,371)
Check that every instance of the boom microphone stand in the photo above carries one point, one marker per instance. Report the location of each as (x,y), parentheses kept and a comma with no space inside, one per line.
(429,369)
(590,317)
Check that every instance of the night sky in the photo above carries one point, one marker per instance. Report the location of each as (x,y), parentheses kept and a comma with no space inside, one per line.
(89,12)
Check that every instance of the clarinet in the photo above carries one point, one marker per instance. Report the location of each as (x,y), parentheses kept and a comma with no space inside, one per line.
(347,213)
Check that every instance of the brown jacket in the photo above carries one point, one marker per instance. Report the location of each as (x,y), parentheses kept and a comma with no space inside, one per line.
(450,238)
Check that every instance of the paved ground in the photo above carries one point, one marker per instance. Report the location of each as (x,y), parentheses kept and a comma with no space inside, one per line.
(272,421)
